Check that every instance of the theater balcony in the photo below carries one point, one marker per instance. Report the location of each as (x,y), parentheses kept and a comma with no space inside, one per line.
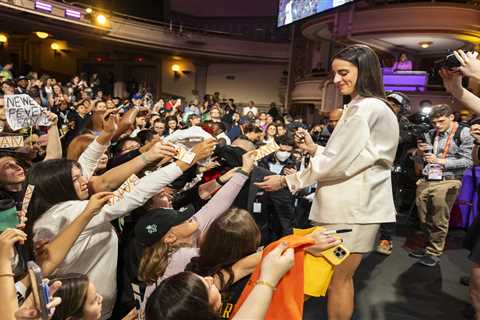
(148,34)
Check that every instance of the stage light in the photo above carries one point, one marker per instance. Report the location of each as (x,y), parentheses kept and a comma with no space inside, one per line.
(89,10)
(39,5)
(425,44)
(99,59)
(175,68)
(3,38)
(69,13)
(42,35)
(101,19)
(55,46)
(140,59)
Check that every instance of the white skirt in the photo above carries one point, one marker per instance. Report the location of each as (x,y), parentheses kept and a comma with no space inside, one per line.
(360,240)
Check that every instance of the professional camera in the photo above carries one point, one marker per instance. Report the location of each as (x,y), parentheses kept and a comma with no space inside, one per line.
(419,130)
(401,100)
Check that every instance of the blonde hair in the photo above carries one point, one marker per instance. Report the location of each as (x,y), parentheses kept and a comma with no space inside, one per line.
(154,262)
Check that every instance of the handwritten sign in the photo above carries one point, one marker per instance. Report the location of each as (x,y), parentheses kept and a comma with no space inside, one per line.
(265,150)
(23,112)
(126,187)
(11,142)
(27,197)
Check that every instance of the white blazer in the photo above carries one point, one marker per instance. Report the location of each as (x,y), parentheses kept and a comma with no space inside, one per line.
(353,171)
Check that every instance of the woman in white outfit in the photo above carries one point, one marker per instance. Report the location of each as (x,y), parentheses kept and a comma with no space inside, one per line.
(61,193)
(353,171)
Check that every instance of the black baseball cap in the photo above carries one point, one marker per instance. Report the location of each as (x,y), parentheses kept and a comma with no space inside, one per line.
(21,78)
(156,222)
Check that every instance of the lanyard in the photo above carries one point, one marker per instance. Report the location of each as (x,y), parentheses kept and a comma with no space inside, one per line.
(453,128)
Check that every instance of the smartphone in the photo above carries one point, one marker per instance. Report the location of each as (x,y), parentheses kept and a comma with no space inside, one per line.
(9,219)
(336,255)
(40,291)
(452,62)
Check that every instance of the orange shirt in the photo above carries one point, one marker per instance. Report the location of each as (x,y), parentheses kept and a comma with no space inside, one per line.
(287,300)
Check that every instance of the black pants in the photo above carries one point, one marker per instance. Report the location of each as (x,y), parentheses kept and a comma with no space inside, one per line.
(387,230)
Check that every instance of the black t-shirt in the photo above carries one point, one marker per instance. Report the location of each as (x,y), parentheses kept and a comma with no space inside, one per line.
(230,297)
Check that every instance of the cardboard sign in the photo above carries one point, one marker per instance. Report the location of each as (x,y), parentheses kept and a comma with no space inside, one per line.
(23,112)
(265,150)
(27,197)
(126,187)
(11,142)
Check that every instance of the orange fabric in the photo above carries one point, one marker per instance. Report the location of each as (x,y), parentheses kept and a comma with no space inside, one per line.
(287,300)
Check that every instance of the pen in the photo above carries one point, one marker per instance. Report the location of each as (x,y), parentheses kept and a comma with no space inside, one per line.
(337,231)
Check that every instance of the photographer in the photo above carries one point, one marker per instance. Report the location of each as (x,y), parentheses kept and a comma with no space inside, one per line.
(333,118)
(447,153)
(452,79)
(401,107)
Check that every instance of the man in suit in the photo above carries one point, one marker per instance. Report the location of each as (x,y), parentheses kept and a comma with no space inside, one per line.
(273,211)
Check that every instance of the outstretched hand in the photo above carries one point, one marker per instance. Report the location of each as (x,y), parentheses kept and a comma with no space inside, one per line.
(276,263)
(304,141)
(271,183)
(322,242)
(470,65)
(28,310)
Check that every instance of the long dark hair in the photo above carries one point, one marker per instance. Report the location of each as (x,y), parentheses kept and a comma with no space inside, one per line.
(73,293)
(231,237)
(53,184)
(180,297)
(370,80)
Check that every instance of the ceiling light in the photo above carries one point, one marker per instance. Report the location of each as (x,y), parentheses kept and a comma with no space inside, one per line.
(101,19)
(425,44)
(3,38)
(55,46)
(89,10)
(41,35)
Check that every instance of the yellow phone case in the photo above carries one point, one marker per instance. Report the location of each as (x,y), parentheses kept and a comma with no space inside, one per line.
(336,255)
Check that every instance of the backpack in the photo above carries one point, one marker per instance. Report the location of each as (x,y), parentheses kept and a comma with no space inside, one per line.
(456,137)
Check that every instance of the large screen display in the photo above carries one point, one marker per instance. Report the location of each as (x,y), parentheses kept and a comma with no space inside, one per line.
(292,10)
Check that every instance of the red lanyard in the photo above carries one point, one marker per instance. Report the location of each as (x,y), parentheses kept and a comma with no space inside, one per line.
(449,141)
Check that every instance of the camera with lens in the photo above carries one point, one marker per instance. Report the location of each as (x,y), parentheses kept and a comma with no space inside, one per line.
(418,131)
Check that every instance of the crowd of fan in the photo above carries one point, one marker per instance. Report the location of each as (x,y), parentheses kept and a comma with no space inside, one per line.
(108,254)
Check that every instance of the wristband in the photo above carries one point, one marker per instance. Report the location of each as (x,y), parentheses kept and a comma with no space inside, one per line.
(266,283)
(240,170)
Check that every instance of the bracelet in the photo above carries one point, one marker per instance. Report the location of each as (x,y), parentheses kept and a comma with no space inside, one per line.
(219,181)
(7,275)
(265,283)
(145,159)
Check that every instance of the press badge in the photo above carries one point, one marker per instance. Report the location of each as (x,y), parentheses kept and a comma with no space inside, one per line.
(257,207)
(435,172)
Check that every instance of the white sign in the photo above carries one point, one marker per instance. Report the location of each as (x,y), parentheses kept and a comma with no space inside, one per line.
(11,142)
(23,112)
(126,187)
